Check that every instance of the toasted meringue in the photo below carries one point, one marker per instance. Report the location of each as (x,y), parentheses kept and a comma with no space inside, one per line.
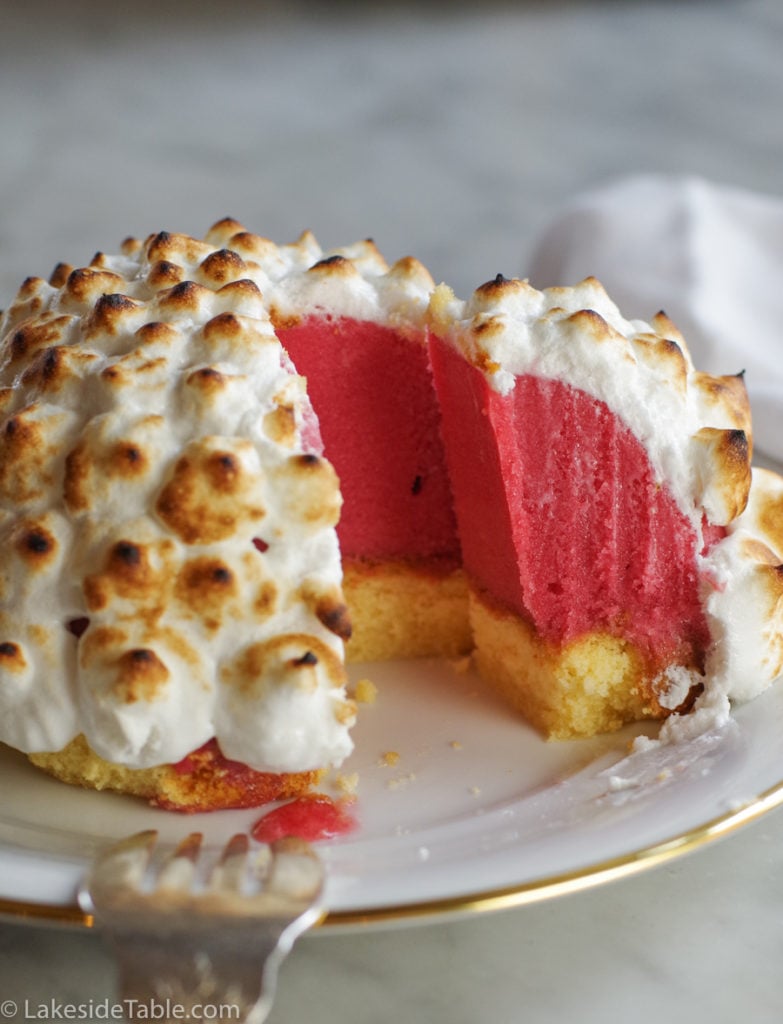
(162,484)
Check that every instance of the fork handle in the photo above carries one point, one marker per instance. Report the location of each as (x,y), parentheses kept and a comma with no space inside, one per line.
(176,977)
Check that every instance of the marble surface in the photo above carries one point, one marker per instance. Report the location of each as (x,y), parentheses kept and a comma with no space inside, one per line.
(452,135)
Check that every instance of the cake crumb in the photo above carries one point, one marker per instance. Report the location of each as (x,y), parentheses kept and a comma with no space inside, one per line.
(347,784)
(455,745)
(462,665)
(365,691)
(389,758)
(401,780)
(474,791)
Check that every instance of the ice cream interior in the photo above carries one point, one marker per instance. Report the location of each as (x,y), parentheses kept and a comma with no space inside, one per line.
(562,520)
(371,387)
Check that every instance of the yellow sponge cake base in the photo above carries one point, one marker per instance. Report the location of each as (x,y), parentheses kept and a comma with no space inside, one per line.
(208,784)
(593,685)
(405,610)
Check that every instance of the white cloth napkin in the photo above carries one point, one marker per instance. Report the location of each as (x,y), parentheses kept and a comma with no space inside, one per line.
(709,255)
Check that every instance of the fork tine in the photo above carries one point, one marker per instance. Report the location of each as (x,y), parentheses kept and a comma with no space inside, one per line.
(230,871)
(296,871)
(190,847)
(237,845)
(123,864)
(180,869)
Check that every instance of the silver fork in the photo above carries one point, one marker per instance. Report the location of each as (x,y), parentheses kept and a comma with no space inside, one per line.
(192,944)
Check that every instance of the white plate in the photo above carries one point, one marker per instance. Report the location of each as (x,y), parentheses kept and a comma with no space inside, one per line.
(478,812)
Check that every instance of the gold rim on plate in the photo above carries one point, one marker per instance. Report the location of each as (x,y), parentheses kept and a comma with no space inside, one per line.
(492,899)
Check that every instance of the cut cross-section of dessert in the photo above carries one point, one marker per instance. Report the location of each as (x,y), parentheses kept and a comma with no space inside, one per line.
(171,614)
(356,330)
(597,478)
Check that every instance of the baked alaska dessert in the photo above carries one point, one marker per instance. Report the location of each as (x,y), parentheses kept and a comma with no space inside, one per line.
(172,616)
(171,613)
(601,484)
